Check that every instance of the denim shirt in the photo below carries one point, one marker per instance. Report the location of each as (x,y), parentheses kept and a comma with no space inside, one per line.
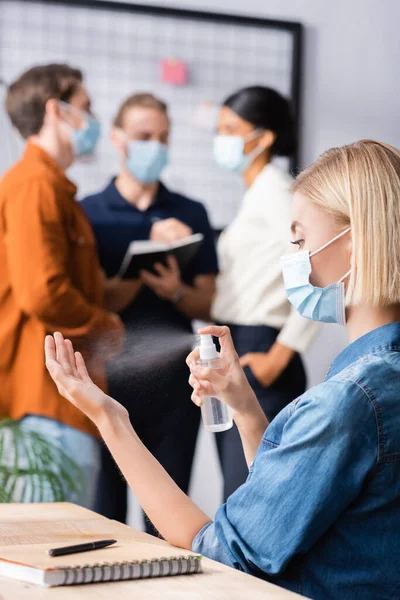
(320,511)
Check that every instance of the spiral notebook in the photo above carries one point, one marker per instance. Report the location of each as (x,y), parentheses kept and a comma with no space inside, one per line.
(125,560)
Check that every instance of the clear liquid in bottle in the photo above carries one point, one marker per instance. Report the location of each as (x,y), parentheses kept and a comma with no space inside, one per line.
(216,414)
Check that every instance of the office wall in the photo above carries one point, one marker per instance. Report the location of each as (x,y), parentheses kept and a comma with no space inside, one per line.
(351,80)
(351,91)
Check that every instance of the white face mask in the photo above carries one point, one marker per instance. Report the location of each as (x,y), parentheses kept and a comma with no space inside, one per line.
(325,304)
(229,153)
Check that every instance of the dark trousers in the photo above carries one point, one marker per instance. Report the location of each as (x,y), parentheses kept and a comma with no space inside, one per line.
(157,395)
(290,385)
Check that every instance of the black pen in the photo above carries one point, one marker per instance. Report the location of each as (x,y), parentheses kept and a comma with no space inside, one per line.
(80,548)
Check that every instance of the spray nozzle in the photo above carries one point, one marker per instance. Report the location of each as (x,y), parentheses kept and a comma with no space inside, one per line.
(208,349)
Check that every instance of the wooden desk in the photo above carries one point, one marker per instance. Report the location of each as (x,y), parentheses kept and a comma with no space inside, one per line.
(217,581)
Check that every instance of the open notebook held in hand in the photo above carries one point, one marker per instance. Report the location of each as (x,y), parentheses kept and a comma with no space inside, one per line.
(126,560)
(142,255)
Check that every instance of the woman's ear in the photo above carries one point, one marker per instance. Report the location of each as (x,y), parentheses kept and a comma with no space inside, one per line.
(267,139)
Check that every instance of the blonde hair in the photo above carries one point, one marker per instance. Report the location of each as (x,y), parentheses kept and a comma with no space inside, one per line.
(359,185)
(144,100)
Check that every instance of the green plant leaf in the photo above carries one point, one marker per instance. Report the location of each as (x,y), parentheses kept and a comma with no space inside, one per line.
(35,468)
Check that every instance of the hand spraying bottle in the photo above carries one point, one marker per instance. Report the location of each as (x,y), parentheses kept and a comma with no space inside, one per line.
(216,414)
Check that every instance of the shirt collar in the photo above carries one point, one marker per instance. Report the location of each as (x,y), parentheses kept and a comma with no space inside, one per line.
(386,337)
(117,202)
(34,153)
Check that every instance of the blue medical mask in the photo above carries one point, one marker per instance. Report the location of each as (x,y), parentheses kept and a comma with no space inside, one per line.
(146,159)
(228,151)
(83,140)
(325,304)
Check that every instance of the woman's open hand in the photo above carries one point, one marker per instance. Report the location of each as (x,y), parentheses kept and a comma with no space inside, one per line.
(229,383)
(68,370)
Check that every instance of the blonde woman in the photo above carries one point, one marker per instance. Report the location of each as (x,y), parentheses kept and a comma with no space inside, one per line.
(320,511)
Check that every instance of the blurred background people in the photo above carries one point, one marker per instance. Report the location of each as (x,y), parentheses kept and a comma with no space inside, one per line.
(151,378)
(254,126)
(50,278)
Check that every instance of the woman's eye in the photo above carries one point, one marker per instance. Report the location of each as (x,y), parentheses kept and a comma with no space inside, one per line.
(298,243)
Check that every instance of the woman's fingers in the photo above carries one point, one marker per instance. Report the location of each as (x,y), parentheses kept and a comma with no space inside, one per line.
(196,399)
(201,389)
(50,348)
(62,353)
(71,356)
(225,338)
(205,386)
(193,382)
(59,376)
(193,357)
(210,379)
(224,335)
(81,367)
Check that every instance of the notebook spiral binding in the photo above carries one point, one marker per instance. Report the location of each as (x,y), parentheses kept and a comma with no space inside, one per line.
(119,571)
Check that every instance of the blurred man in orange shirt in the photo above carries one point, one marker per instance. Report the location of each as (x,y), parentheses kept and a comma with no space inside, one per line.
(50,278)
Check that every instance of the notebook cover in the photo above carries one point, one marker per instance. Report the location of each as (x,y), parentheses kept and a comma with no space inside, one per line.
(138,262)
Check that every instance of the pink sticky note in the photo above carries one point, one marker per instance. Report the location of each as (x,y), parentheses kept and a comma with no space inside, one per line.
(174,72)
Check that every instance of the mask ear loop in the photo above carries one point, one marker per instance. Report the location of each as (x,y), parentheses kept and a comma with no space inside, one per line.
(253,135)
(330,242)
(341,302)
(73,110)
(258,149)
(340,307)
(345,276)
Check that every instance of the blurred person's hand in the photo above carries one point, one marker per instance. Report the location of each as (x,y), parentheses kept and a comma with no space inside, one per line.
(169,230)
(268,366)
(167,283)
(228,383)
(68,371)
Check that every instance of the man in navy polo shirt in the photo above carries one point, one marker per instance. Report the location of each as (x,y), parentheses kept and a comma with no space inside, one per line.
(151,378)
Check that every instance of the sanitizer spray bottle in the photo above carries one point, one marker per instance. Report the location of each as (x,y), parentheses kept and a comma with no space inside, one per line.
(216,414)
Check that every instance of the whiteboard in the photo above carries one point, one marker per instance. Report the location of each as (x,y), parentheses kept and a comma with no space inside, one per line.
(120,49)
